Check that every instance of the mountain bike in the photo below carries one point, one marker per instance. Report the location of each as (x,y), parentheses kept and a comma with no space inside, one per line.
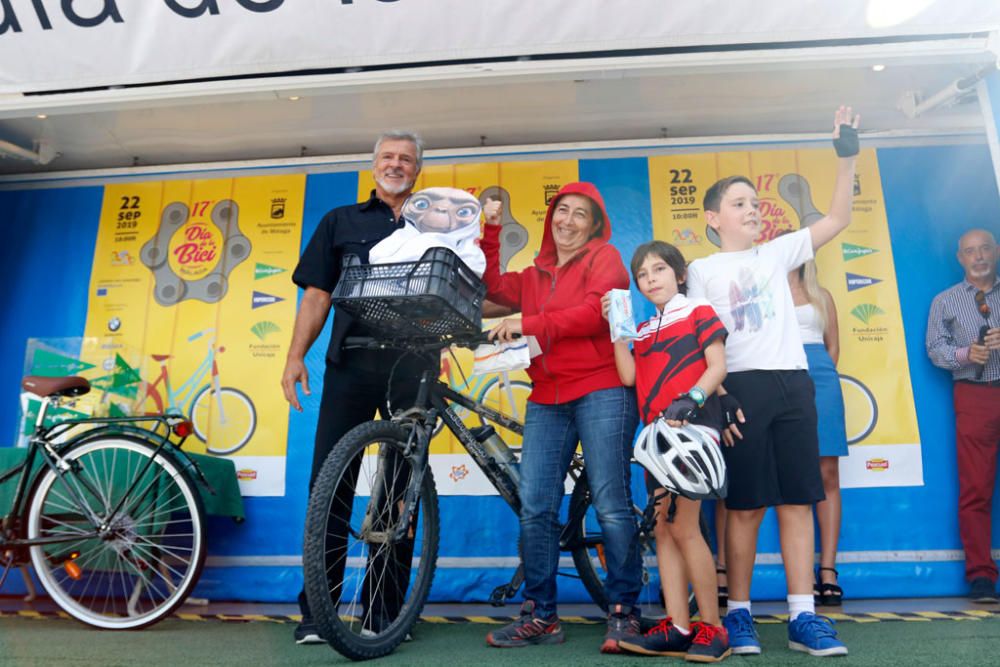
(372,526)
(107,512)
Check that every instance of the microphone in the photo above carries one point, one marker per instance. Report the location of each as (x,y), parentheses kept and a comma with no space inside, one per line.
(984,310)
(982,341)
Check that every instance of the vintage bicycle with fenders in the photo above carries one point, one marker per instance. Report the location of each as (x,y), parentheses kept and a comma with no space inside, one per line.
(372,527)
(107,510)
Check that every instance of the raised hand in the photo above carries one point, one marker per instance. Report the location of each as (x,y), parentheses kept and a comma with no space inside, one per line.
(493,211)
(845,132)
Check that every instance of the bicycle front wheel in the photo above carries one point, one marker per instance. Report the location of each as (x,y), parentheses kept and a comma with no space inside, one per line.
(368,569)
(224,420)
(127,530)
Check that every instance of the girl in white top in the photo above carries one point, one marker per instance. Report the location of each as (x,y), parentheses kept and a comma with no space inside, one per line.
(817,316)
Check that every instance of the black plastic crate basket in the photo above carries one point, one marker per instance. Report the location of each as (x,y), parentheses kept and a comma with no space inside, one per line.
(438,295)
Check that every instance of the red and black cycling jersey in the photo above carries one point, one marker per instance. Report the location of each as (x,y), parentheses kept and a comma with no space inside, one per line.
(670,357)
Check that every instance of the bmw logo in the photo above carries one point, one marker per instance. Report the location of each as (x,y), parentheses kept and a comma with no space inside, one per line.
(114,324)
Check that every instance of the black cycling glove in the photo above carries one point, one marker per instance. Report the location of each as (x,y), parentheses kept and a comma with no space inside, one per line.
(730,406)
(683,408)
(847,144)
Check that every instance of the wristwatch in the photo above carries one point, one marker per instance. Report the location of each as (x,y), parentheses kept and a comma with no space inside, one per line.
(698,395)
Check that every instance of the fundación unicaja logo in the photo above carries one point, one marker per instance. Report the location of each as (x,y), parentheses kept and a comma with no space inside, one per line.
(264,328)
(866,311)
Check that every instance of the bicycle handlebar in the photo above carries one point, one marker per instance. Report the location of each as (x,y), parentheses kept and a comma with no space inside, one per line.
(381,343)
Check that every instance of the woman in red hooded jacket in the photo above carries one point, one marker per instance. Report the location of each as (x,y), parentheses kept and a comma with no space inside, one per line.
(576,397)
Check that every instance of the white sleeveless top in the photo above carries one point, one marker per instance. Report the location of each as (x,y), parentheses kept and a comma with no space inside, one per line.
(810,327)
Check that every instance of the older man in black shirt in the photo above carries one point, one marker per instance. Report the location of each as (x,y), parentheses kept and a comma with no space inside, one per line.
(355,381)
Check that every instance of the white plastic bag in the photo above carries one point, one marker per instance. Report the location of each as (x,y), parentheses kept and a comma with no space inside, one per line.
(501,357)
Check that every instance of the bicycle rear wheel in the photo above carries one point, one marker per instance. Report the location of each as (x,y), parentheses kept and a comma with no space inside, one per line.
(588,554)
(365,586)
(146,560)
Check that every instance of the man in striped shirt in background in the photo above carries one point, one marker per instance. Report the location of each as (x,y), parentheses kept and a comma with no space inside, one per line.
(963,336)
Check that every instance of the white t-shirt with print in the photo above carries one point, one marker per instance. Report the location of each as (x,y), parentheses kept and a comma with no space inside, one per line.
(749,291)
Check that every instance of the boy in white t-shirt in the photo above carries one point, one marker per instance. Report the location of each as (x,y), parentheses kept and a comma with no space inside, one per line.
(776,464)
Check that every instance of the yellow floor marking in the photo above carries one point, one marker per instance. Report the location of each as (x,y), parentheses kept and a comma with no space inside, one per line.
(889,616)
(839,616)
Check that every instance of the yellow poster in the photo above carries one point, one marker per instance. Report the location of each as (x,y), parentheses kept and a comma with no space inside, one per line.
(194,274)
(795,188)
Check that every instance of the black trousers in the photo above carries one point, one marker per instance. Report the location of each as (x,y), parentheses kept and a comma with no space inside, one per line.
(353,392)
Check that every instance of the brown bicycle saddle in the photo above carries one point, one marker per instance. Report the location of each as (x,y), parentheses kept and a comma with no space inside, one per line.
(45,386)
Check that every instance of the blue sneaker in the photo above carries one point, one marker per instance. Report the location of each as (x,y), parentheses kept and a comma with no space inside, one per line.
(814,635)
(743,638)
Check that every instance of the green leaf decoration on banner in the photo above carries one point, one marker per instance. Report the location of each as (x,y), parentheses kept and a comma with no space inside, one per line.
(51,364)
(264,328)
(866,311)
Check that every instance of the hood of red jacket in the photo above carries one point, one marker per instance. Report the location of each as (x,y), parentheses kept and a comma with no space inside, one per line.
(546,258)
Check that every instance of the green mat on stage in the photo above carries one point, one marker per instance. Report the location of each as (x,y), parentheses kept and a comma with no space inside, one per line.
(220,473)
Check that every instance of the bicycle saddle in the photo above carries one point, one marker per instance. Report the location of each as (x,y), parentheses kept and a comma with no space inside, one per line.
(45,386)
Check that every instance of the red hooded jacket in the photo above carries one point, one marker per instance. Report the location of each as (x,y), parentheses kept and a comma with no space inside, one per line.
(561,307)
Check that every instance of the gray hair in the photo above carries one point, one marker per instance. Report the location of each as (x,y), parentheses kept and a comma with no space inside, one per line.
(985,232)
(402,135)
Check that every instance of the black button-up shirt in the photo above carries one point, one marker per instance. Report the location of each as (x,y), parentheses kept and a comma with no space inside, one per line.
(346,230)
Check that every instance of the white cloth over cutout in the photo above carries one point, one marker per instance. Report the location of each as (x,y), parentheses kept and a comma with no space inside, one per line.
(435,218)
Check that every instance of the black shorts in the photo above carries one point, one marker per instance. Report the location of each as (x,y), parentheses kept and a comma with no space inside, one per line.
(777,461)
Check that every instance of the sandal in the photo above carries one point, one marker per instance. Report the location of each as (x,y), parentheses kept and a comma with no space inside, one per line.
(830,595)
(723,590)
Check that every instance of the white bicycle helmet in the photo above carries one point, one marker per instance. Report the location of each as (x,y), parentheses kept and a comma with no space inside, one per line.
(685,460)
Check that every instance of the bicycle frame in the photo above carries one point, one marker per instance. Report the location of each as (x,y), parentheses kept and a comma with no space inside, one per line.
(442,399)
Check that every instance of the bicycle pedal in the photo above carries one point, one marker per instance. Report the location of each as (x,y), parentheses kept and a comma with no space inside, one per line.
(500,595)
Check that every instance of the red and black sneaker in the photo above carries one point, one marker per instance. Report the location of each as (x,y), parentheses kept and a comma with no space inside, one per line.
(662,639)
(710,643)
(528,629)
(623,625)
